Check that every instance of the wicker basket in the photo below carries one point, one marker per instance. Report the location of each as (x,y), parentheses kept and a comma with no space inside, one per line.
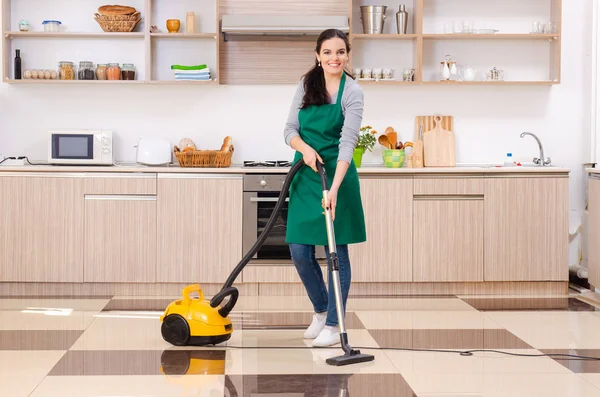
(204,158)
(118,23)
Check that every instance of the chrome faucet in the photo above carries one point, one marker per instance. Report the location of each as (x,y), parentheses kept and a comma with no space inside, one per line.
(538,161)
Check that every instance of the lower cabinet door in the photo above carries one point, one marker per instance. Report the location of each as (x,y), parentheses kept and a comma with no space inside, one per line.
(594,232)
(120,238)
(448,239)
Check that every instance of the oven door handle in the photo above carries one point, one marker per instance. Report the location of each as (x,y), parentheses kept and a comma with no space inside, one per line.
(266,199)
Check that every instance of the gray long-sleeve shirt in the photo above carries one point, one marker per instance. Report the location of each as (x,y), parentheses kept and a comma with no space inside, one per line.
(352,108)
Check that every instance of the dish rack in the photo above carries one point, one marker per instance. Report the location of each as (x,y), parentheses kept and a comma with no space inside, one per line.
(118,23)
(204,158)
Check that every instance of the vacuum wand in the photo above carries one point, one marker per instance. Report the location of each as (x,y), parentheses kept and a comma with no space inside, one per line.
(350,356)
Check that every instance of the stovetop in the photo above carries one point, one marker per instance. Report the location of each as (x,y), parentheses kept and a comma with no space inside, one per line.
(268,163)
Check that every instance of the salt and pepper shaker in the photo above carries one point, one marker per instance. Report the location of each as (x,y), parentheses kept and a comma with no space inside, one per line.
(401,19)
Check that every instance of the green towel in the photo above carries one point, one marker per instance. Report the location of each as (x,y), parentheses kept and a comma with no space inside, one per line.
(183,67)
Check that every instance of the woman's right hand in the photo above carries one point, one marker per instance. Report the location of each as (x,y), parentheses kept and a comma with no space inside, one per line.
(310,157)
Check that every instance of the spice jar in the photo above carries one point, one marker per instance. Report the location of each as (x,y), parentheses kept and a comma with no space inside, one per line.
(86,70)
(113,72)
(66,70)
(128,72)
(101,71)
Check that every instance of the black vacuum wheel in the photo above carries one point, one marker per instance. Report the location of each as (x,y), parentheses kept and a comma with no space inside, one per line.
(175,330)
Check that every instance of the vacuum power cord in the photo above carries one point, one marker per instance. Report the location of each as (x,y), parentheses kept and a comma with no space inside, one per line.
(462,353)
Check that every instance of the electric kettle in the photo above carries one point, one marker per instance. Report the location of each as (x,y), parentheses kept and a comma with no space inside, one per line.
(153,152)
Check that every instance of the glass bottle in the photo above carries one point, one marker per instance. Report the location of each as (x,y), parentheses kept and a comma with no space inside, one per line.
(128,72)
(113,72)
(66,70)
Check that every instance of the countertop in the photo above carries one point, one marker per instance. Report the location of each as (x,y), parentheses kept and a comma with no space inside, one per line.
(592,170)
(239,169)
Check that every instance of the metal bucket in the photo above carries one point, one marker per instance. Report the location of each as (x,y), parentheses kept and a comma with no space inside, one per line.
(373,19)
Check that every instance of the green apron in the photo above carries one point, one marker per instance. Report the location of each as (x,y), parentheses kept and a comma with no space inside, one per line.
(321,128)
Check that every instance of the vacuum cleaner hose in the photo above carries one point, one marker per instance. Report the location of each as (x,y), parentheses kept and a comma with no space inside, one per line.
(228,288)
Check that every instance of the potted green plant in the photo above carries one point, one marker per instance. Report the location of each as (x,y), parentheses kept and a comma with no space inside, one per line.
(366,141)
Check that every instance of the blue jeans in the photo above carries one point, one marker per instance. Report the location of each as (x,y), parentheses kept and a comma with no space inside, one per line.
(311,275)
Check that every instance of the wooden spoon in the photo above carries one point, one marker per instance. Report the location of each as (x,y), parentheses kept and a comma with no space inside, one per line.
(392,138)
(383,140)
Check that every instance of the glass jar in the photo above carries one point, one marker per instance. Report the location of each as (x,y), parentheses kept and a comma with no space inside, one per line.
(66,71)
(101,71)
(113,72)
(128,72)
(86,70)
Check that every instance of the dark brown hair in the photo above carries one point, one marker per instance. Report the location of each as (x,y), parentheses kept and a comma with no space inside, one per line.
(315,91)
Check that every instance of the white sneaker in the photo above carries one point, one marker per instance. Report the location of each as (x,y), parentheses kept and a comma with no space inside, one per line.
(317,325)
(328,337)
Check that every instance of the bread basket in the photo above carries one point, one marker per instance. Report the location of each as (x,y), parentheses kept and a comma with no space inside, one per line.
(204,158)
(118,23)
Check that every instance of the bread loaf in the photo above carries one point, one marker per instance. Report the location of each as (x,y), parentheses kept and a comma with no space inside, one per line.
(115,10)
(226,144)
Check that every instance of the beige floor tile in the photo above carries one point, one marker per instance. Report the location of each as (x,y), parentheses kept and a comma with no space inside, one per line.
(594,379)
(300,361)
(292,338)
(50,303)
(129,333)
(21,371)
(61,319)
(462,319)
(548,330)
(479,363)
(143,385)
(409,304)
(500,385)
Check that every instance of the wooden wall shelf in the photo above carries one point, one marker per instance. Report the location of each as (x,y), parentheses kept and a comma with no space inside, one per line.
(526,58)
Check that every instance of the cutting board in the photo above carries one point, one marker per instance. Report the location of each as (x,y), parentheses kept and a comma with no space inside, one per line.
(428,123)
(439,149)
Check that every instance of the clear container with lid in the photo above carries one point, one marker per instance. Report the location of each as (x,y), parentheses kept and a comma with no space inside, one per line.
(66,70)
(128,71)
(86,70)
(101,71)
(113,72)
(51,25)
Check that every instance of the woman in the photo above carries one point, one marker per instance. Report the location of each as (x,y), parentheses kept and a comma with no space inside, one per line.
(323,125)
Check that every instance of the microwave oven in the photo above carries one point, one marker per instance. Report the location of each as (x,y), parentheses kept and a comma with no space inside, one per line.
(86,147)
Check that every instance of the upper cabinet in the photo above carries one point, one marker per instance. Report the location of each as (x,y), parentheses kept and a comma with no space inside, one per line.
(393,42)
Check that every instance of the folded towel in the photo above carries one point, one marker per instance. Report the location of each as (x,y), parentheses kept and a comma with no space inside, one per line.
(199,71)
(192,78)
(184,67)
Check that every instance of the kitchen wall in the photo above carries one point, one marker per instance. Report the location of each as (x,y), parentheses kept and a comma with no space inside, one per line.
(487,119)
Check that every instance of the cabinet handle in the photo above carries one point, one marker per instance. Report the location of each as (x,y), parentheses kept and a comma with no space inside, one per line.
(448,197)
(266,199)
(198,176)
(119,197)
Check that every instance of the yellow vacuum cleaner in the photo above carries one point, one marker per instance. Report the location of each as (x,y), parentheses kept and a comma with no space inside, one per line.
(195,321)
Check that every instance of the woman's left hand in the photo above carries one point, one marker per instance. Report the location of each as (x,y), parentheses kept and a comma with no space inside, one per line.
(332,200)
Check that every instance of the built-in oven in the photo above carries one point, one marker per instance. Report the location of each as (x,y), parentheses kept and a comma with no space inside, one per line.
(261,192)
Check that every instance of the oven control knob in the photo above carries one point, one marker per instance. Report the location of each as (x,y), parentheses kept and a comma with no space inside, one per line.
(105,141)
(263,183)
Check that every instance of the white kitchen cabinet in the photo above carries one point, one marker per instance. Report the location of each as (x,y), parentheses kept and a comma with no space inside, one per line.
(199,227)
(386,256)
(41,232)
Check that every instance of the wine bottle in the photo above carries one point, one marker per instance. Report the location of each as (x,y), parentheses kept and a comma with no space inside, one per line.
(18,65)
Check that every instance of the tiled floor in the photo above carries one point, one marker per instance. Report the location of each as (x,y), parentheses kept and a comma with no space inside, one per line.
(112,346)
